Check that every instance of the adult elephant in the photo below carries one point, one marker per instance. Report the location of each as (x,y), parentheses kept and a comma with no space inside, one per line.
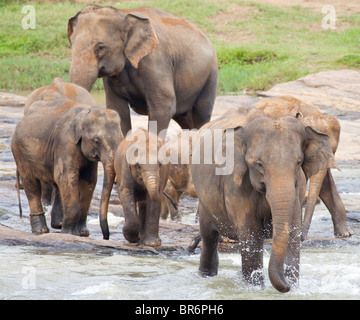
(322,184)
(262,196)
(59,142)
(159,64)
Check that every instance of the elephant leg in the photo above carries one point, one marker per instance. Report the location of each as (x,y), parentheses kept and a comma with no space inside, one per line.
(201,112)
(57,213)
(316,182)
(46,193)
(87,183)
(149,213)
(69,192)
(332,200)
(252,242)
(209,259)
(37,216)
(131,227)
(185,120)
(120,105)
(161,108)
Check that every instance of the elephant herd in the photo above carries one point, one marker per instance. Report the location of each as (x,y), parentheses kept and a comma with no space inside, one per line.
(165,67)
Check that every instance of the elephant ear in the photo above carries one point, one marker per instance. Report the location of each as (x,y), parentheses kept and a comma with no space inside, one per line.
(240,167)
(79,119)
(318,154)
(141,38)
(71,25)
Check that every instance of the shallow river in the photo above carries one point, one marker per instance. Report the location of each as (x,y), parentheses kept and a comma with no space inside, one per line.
(329,269)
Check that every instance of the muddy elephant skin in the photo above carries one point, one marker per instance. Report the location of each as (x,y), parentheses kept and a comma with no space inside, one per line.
(161,65)
(262,196)
(141,186)
(59,142)
(322,184)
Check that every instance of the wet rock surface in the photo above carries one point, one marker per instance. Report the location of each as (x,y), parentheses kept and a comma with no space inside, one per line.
(336,93)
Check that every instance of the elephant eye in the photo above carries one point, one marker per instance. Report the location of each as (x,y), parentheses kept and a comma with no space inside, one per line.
(259,166)
(96,141)
(299,162)
(100,47)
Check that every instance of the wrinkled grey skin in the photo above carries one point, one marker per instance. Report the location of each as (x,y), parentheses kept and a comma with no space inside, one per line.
(59,142)
(159,64)
(263,195)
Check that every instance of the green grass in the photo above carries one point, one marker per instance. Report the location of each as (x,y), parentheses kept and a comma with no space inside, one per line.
(286,42)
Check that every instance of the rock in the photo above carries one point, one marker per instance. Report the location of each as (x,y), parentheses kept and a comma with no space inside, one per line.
(11,100)
(339,89)
(224,104)
(353,216)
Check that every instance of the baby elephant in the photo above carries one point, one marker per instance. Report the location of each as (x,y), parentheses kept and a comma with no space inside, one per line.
(142,181)
(59,141)
(180,180)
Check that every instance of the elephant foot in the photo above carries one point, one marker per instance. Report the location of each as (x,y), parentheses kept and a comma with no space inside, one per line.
(254,278)
(131,232)
(207,272)
(38,224)
(70,230)
(56,225)
(84,232)
(151,241)
(82,229)
(343,231)
(56,217)
(304,232)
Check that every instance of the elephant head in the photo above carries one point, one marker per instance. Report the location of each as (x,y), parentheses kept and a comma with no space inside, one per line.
(98,132)
(150,169)
(103,38)
(274,154)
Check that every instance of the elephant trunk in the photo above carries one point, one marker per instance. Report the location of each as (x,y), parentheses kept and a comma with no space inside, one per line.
(109,178)
(281,198)
(84,70)
(152,184)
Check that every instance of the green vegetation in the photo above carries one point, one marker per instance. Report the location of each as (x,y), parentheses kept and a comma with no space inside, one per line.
(257,45)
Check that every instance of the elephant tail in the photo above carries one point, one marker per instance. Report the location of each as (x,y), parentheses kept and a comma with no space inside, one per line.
(18,191)
(172,202)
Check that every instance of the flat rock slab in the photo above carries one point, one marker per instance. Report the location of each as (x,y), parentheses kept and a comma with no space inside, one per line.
(172,242)
(11,100)
(336,88)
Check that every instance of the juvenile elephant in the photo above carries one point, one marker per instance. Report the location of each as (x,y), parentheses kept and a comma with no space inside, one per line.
(322,184)
(142,184)
(59,141)
(161,65)
(59,89)
(179,180)
(262,196)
